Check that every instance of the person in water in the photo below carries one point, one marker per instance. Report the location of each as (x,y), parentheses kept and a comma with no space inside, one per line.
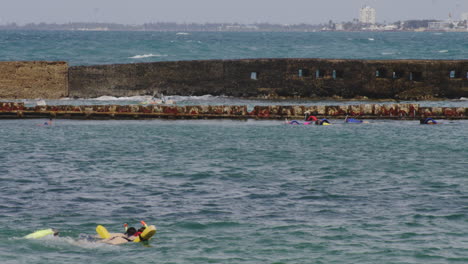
(428,121)
(47,123)
(309,117)
(352,120)
(130,234)
(322,122)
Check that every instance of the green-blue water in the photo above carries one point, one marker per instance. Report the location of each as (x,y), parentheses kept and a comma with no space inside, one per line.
(236,192)
(85,48)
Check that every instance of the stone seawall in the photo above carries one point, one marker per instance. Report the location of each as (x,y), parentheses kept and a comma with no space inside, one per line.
(365,111)
(264,78)
(273,78)
(33,79)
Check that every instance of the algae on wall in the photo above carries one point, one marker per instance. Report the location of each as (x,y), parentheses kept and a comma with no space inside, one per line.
(33,79)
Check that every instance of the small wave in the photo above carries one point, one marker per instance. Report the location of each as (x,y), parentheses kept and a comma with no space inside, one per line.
(182,33)
(371,39)
(438,34)
(201,97)
(131,98)
(147,56)
(443,51)
(463,99)
(388,53)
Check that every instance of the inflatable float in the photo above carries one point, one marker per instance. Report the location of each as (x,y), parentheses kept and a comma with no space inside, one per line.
(42,233)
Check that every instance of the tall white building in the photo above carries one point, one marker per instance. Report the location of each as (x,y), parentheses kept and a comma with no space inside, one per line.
(367,15)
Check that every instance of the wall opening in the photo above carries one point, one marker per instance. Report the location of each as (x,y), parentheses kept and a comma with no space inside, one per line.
(398,74)
(303,72)
(381,73)
(337,74)
(454,74)
(254,75)
(319,74)
(415,76)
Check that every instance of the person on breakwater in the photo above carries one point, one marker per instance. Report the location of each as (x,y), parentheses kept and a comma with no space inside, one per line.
(428,121)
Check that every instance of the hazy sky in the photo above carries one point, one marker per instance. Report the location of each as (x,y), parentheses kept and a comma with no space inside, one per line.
(242,11)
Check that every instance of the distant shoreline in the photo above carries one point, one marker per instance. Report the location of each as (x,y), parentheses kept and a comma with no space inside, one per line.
(406,26)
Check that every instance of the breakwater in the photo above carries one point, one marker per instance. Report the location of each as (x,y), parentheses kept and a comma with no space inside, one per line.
(366,111)
(273,78)
(33,79)
(264,78)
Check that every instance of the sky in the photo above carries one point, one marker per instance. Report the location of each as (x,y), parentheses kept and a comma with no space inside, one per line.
(222,11)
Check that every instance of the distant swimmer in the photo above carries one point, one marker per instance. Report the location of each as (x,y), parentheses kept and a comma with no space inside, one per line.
(309,117)
(295,122)
(354,121)
(323,122)
(428,121)
(48,123)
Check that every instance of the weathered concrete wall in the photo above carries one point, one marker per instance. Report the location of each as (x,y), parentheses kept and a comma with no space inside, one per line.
(181,77)
(399,79)
(33,79)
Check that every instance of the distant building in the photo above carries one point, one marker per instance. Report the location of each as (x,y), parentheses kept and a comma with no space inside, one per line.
(464,16)
(439,25)
(367,15)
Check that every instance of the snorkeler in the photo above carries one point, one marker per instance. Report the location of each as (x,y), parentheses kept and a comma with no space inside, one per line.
(354,121)
(309,117)
(428,121)
(322,122)
(131,235)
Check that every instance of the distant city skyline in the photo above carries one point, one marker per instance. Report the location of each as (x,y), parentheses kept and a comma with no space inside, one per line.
(223,11)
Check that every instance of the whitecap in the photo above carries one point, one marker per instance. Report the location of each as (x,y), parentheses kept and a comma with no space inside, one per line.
(147,56)
(125,98)
(371,39)
(182,33)
(443,51)
(388,53)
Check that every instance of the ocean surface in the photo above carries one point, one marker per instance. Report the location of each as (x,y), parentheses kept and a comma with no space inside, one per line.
(236,191)
(220,191)
(91,48)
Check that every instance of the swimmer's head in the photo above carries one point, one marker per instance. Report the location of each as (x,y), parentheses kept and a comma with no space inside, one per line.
(131,231)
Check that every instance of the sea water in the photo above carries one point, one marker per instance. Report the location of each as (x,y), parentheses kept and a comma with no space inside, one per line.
(234,191)
(91,48)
